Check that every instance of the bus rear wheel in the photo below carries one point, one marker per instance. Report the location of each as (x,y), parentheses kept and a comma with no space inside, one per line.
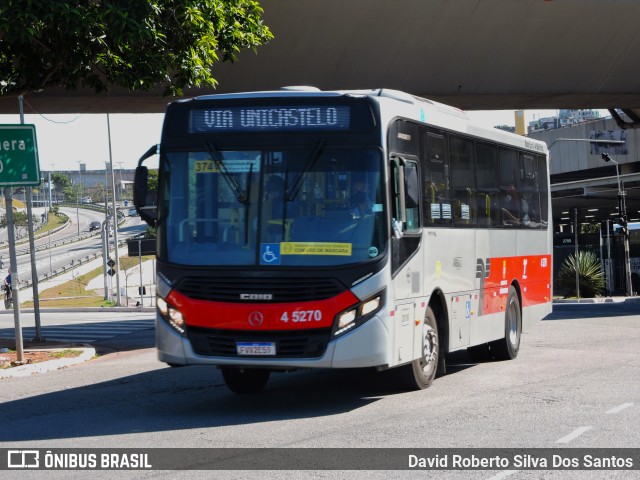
(245,380)
(420,373)
(507,348)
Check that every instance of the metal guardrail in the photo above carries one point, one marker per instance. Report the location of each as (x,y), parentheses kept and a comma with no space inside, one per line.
(74,263)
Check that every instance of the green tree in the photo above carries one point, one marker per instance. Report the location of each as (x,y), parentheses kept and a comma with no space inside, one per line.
(20,222)
(136,44)
(153,181)
(72,193)
(60,181)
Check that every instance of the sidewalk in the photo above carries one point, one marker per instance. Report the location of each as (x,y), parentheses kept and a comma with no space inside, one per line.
(44,358)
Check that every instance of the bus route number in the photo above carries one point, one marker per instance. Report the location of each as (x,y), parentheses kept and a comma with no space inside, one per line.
(205,166)
(301,316)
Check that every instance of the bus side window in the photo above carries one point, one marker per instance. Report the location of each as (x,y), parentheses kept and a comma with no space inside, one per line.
(435,177)
(463,181)
(542,187)
(509,194)
(488,207)
(412,196)
(529,191)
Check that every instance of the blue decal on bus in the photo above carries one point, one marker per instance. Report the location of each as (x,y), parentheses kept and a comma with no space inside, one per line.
(270,254)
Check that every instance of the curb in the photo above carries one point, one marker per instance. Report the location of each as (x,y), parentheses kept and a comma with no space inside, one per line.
(42,367)
(83,309)
(598,300)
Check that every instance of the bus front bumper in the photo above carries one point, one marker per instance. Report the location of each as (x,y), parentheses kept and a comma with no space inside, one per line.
(366,346)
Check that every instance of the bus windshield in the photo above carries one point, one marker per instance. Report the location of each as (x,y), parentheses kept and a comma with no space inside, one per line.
(299,206)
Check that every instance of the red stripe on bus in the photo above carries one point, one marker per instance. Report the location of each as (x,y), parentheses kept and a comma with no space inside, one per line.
(531,272)
(261,316)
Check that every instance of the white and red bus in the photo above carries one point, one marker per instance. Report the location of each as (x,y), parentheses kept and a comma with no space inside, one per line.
(341,229)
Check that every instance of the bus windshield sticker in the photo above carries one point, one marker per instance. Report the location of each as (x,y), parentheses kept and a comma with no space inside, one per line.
(232,166)
(273,119)
(270,253)
(315,248)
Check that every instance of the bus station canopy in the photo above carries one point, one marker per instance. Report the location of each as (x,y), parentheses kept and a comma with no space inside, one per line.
(494,54)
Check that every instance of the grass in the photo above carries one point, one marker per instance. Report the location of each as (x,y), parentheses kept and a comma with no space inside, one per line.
(53,221)
(73,293)
(9,358)
(66,353)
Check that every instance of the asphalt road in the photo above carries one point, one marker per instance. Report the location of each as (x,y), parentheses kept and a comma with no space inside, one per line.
(575,384)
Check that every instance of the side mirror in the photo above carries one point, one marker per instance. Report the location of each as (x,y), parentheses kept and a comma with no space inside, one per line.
(145,201)
(140,187)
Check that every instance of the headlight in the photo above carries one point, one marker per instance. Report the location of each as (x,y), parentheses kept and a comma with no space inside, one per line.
(346,318)
(358,314)
(171,315)
(163,308)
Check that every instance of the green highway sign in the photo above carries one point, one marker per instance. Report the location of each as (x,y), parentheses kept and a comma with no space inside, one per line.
(19,163)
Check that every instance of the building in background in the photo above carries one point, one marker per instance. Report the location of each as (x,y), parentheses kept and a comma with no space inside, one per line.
(565,118)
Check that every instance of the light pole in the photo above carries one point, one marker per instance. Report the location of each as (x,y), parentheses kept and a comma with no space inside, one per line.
(79,191)
(622,210)
(120,163)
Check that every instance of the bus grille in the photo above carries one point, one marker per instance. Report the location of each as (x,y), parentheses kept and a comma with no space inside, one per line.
(222,343)
(229,289)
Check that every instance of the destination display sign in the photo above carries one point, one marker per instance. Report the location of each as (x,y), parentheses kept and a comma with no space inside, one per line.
(270,119)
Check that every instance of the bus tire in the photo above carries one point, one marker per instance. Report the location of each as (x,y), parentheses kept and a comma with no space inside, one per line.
(507,348)
(245,380)
(420,373)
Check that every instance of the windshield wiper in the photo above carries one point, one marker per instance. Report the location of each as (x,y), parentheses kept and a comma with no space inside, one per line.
(290,195)
(241,196)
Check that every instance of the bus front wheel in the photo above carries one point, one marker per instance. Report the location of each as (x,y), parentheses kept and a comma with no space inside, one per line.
(420,373)
(245,380)
(507,348)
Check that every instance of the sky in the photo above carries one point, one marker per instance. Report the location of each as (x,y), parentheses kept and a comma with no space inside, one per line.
(64,141)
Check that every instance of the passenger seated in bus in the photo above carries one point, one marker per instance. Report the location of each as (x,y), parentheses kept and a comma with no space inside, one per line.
(357,190)
(360,204)
(531,211)
(510,206)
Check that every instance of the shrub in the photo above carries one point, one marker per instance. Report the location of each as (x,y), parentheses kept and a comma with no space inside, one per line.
(590,275)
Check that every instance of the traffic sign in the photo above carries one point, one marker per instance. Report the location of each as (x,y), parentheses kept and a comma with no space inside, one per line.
(111,272)
(19,164)
(111,263)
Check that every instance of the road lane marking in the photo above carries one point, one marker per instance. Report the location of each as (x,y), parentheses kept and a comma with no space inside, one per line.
(573,435)
(503,474)
(619,408)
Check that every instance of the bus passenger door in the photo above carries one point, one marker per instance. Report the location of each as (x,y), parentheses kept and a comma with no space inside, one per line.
(403,333)
(407,257)
(406,254)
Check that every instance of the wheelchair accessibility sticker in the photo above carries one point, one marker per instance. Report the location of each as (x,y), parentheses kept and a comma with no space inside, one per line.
(270,254)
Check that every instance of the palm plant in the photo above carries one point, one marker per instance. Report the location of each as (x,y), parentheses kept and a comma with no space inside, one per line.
(590,275)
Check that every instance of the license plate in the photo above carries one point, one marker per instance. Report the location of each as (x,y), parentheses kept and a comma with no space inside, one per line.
(256,348)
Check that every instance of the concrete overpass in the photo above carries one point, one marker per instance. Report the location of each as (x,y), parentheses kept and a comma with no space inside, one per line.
(473,54)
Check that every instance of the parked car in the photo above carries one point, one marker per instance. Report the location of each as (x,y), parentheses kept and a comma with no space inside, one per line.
(133,212)
(95,225)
